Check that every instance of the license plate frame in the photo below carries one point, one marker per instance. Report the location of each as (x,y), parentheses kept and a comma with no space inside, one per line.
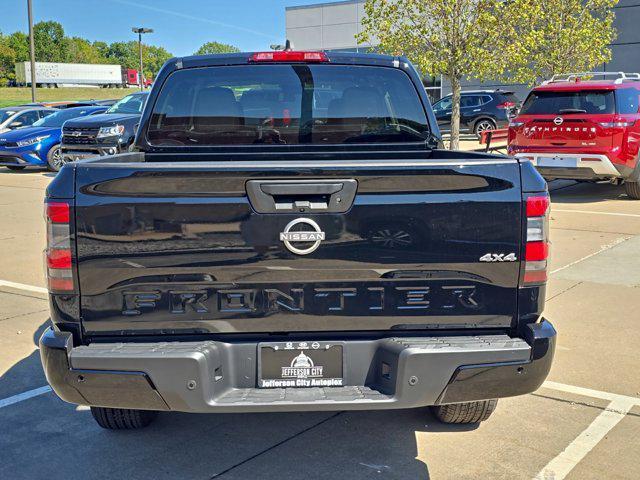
(564,162)
(304,364)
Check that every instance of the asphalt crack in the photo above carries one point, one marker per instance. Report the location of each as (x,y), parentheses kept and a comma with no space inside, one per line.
(276,445)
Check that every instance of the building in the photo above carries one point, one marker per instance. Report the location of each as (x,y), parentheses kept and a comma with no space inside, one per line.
(333,26)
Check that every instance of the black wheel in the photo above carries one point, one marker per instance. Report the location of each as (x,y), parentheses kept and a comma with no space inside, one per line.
(483,125)
(55,161)
(15,167)
(632,189)
(470,412)
(122,418)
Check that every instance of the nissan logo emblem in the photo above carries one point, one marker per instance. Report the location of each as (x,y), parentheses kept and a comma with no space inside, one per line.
(558,120)
(311,237)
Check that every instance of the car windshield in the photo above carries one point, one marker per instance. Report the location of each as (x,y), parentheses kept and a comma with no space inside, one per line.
(58,118)
(5,114)
(287,104)
(560,102)
(129,104)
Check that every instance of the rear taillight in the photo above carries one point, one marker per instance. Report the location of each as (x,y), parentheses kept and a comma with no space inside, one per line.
(58,257)
(620,124)
(506,105)
(289,56)
(537,246)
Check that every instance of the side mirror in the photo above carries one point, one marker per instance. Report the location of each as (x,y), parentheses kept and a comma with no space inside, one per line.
(14,125)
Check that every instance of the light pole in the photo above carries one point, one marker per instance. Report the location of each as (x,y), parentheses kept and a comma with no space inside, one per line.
(140,31)
(32,53)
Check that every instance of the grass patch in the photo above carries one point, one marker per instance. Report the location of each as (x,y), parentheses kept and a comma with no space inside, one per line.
(18,96)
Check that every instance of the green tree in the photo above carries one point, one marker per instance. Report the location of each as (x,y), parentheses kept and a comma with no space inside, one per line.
(518,40)
(454,38)
(7,59)
(126,54)
(216,47)
(13,48)
(102,48)
(50,42)
(560,36)
(19,43)
(82,51)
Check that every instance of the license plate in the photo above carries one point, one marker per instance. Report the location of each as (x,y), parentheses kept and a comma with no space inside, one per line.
(567,162)
(300,364)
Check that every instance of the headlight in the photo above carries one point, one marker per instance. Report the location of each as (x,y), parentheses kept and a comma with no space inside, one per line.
(114,131)
(31,141)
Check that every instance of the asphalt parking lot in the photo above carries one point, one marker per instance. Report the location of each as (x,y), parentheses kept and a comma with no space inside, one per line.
(583,424)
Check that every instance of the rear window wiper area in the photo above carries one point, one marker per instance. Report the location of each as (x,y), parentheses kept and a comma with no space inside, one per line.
(572,110)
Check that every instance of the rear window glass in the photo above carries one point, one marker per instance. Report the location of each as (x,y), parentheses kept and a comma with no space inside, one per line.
(511,97)
(584,101)
(287,104)
(627,100)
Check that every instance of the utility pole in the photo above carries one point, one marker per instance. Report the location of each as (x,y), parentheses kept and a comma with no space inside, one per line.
(140,31)
(32,53)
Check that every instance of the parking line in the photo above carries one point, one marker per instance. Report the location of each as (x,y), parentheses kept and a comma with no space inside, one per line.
(5,402)
(595,212)
(587,392)
(22,286)
(603,248)
(560,466)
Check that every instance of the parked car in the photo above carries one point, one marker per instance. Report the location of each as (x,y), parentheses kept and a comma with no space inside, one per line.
(105,103)
(12,118)
(582,129)
(237,260)
(107,134)
(480,110)
(39,145)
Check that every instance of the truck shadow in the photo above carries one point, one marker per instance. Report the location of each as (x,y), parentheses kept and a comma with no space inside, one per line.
(312,445)
(567,193)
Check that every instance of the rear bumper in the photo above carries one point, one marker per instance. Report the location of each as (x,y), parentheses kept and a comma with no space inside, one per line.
(589,167)
(399,372)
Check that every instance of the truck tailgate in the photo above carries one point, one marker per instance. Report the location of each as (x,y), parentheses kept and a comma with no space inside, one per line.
(184,248)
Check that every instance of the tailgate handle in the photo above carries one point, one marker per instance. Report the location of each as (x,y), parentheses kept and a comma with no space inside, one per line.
(302,196)
(300,188)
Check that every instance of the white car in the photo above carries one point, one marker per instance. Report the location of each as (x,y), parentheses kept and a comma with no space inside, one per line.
(22,116)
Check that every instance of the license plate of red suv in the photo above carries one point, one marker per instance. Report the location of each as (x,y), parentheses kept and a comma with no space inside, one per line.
(566,162)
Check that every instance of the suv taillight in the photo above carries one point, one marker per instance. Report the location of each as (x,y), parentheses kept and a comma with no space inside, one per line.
(537,246)
(58,257)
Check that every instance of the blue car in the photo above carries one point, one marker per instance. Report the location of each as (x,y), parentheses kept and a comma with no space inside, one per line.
(39,145)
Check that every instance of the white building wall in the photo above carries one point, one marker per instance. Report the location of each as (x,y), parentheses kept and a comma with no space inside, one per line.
(325,26)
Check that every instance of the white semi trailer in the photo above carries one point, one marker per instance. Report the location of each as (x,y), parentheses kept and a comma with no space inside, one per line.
(50,74)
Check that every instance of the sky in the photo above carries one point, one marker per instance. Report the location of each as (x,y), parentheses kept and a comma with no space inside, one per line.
(180,26)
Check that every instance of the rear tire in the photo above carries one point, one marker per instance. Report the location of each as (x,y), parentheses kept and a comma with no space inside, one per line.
(15,167)
(122,418)
(469,412)
(482,125)
(632,190)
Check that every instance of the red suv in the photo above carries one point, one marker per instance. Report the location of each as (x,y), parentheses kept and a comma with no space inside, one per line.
(582,129)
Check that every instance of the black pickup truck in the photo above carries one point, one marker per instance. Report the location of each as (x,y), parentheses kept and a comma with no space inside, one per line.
(290,235)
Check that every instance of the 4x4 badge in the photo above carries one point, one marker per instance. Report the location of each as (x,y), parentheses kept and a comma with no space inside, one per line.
(498,257)
(305,237)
